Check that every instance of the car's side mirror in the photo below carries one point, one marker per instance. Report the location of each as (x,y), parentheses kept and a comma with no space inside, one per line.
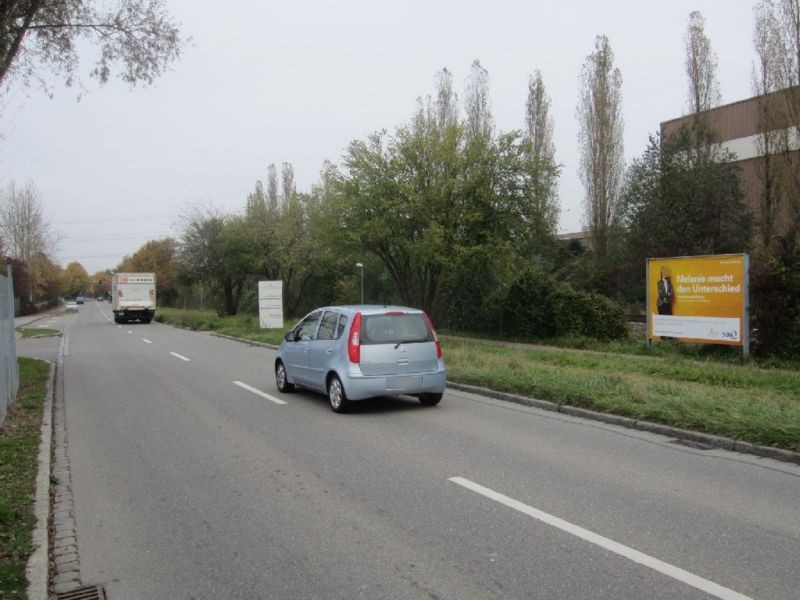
(291,336)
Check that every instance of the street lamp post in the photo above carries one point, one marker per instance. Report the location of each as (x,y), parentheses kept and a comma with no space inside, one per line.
(361,268)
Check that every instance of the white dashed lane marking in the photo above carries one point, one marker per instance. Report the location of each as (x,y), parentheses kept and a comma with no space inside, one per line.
(259,392)
(686,577)
(176,355)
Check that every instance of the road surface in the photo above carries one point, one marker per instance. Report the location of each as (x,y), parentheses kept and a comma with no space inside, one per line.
(191,481)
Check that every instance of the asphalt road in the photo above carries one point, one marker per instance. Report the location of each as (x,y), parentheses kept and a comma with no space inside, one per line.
(188,485)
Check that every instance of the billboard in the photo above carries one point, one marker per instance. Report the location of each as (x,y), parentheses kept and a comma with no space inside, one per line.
(703,299)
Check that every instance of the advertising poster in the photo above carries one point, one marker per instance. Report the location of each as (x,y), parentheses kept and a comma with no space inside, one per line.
(700,299)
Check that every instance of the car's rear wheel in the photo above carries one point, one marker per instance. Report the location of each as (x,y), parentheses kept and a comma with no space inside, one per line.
(281,379)
(336,395)
(430,399)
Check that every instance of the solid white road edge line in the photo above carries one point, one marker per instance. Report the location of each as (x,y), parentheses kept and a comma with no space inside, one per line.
(146,341)
(259,392)
(593,538)
(176,355)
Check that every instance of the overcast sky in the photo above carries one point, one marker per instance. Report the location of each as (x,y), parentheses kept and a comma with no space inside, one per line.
(297,81)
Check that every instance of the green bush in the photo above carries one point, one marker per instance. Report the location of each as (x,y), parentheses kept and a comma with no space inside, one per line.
(774,293)
(6,514)
(536,306)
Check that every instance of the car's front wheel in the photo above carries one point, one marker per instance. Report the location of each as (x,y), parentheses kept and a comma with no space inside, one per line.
(281,379)
(336,395)
(430,399)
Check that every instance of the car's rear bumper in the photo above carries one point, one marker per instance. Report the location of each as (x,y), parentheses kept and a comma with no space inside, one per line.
(360,387)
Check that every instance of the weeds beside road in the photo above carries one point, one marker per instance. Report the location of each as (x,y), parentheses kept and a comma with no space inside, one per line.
(241,326)
(720,396)
(19,449)
(28,332)
(744,402)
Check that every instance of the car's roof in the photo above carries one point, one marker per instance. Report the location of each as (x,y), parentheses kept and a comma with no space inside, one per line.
(370,309)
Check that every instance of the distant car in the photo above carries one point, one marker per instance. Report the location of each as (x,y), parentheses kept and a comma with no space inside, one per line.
(356,352)
(79,300)
(72,307)
(99,298)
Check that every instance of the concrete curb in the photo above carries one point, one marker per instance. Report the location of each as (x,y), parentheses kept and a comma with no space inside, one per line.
(244,341)
(66,572)
(222,335)
(36,571)
(658,428)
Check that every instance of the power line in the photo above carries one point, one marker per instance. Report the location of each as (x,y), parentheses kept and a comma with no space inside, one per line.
(131,219)
(94,256)
(113,220)
(153,236)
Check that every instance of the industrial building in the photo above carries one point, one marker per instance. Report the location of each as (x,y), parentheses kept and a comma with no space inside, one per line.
(738,129)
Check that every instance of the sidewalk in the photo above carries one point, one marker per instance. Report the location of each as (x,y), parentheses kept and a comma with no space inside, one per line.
(27,319)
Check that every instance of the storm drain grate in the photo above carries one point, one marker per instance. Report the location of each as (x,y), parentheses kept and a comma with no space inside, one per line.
(693,444)
(94,592)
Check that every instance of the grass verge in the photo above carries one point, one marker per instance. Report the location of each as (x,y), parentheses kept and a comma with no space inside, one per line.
(28,332)
(19,448)
(690,388)
(745,402)
(241,326)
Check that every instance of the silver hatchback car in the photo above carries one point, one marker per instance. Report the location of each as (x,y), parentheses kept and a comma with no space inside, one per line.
(356,352)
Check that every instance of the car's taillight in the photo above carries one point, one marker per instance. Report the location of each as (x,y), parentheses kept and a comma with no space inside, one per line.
(354,341)
(439,352)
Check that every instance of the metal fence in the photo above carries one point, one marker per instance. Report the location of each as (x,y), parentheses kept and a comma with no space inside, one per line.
(9,372)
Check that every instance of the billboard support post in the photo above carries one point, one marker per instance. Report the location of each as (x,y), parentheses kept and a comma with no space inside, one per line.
(746,311)
(648,316)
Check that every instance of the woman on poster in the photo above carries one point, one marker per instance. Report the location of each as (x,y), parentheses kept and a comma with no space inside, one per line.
(666,293)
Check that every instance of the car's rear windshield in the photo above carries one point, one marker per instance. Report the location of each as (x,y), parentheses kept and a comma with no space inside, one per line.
(398,328)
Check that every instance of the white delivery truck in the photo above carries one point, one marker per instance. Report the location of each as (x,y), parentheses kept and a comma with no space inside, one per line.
(133,296)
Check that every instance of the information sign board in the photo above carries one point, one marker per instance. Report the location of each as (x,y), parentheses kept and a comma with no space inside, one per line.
(270,304)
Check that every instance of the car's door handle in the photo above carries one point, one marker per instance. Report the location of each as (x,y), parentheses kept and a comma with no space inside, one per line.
(306,350)
(329,351)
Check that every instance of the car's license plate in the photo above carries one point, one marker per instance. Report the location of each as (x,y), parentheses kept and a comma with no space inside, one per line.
(408,382)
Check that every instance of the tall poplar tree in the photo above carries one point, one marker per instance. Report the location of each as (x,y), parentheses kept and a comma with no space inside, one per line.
(766,81)
(776,79)
(288,190)
(701,67)
(272,187)
(600,131)
(539,131)
(538,120)
(479,121)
